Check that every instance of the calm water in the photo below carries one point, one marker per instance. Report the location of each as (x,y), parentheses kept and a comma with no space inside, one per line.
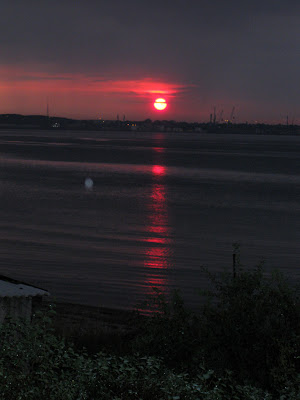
(161,206)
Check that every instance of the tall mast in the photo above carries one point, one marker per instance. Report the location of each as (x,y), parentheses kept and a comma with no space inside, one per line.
(47,108)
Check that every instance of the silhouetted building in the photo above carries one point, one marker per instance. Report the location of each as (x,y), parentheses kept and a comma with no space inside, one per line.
(18,299)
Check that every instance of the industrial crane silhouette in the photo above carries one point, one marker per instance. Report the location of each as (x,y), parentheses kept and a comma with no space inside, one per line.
(232,115)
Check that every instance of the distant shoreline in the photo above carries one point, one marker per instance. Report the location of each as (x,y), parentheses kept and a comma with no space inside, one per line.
(35,122)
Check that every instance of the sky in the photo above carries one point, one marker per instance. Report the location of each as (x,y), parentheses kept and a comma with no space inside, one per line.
(99,59)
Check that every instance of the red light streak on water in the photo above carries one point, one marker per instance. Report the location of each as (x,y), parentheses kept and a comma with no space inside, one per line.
(158,229)
(158,149)
(158,252)
(158,170)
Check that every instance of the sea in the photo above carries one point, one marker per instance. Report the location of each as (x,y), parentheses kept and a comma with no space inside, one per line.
(102,218)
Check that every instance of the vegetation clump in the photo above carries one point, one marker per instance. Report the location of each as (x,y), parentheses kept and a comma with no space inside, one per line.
(253,328)
(243,344)
(35,364)
(248,323)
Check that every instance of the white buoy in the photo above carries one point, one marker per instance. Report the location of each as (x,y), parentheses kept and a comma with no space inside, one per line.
(88,183)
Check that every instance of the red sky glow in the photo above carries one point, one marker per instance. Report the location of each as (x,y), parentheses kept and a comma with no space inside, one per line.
(80,92)
(103,59)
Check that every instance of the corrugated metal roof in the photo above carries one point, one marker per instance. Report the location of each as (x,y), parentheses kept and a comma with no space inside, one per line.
(11,289)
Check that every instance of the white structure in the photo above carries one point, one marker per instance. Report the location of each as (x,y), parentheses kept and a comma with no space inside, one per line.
(17,299)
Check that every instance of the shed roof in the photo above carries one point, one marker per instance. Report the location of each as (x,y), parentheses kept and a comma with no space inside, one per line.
(13,288)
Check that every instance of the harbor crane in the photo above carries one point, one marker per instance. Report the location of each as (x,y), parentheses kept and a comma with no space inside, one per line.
(232,115)
(220,118)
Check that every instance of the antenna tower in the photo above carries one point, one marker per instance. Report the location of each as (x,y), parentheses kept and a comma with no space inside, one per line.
(47,108)
(215,116)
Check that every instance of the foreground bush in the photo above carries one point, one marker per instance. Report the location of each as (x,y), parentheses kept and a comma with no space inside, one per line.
(253,327)
(171,332)
(243,344)
(35,364)
(249,324)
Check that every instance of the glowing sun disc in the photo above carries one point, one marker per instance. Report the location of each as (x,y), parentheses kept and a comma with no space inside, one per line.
(160,104)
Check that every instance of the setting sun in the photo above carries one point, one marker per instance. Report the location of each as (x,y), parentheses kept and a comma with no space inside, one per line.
(160,104)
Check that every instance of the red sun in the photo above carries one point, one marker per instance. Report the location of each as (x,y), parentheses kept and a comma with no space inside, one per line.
(160,104)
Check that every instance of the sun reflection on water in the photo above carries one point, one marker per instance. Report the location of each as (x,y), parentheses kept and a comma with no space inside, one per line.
(158,236)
